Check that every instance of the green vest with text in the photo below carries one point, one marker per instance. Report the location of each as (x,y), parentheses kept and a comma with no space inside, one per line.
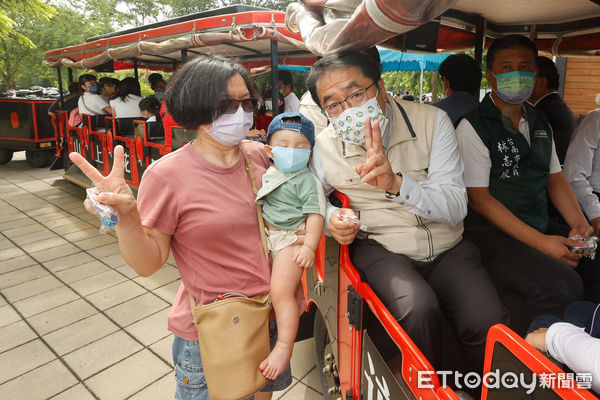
(519,172)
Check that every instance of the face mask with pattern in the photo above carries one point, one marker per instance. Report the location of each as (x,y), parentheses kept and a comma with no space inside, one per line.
(350,124)
(514,87)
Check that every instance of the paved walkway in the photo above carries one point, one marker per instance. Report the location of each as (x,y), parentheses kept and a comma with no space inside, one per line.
(75,321)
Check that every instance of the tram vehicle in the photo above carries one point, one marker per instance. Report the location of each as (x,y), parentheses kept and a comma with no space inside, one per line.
(257,37)
(25,126)
(343,311)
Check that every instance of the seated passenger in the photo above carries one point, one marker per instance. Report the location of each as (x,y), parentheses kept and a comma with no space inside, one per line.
(158,84)
(109,87)
(69,102)
(90,101)
(462,78)
(582,166)
(286,86)
(403,178)
(511,169)
(126,105)
(150,108)
(546,99)
(265,112)
(573,340)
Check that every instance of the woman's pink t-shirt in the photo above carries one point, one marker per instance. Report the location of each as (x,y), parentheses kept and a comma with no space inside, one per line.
(210,214)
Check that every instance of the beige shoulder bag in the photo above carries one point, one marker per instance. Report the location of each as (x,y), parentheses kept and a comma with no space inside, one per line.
(233,333)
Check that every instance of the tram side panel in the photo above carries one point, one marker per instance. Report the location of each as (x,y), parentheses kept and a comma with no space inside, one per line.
(25,125)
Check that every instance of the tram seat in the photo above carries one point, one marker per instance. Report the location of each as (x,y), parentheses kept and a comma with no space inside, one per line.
(125,125)
(181,137)
(507,353)
(97,122)
(156,131)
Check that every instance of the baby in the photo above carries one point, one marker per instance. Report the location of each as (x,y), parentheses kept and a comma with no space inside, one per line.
(292,200)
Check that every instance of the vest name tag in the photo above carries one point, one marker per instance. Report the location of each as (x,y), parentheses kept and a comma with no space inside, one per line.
(540,134)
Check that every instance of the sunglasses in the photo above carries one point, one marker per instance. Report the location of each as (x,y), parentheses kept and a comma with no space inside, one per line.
(230,106)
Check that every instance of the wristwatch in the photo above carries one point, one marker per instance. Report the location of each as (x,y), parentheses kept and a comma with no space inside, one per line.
(392,196)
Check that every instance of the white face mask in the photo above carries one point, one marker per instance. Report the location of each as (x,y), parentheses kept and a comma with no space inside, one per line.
(350,124)
(231,129)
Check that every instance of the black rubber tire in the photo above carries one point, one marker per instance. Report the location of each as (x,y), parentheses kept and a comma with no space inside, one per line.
(5,156)
(39,158)
(321,338)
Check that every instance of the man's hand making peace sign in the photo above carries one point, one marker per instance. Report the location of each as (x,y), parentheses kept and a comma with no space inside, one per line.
(377,170)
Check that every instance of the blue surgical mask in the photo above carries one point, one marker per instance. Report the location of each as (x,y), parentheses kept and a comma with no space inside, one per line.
(94,88)
(515,87)
(289,160)
(158,95)
(269,104)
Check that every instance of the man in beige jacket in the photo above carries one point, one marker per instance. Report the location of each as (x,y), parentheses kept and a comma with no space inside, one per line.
(403,178)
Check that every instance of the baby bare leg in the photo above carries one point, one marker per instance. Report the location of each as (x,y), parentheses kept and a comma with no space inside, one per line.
(284,280)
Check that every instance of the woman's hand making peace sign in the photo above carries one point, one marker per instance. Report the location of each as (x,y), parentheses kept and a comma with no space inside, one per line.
(114,190)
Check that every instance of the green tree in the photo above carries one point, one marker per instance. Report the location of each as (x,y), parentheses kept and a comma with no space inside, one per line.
(16,19)
(143,12)
(184,7)
(402,80)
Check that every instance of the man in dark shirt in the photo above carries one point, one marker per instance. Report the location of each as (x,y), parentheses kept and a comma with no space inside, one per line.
(462,79)
(546,99)
(69,102)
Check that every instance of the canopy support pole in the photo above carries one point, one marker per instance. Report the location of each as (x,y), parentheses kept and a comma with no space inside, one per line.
(421,94)
(135,69)
(70,74)
(479,39)
(274,77)
(184,56)
(60,88)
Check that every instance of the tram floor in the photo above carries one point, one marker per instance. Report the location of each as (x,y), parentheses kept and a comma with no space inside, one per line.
(75,321)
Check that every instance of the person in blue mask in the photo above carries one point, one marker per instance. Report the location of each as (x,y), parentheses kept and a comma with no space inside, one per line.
(293,202)
(158,84)
(90,100)
(511,171)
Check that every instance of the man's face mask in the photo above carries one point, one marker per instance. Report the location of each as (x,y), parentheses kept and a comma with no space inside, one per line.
(515,87)
(350,124)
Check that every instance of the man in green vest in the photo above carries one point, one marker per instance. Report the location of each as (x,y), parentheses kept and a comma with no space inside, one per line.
(511,170)
(403,178)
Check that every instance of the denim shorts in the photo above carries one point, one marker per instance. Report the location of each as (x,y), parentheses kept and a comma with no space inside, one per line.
(189,375)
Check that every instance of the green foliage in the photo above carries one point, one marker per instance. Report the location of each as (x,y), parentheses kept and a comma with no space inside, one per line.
(263,82)
(402,80)
(184,7)
(17,22)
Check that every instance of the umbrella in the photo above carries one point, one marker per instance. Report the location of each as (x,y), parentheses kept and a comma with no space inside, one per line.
(399,61)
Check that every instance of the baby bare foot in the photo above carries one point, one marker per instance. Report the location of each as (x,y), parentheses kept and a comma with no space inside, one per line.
(277,360)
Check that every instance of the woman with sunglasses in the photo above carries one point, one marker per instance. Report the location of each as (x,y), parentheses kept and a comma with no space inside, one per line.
(198,203)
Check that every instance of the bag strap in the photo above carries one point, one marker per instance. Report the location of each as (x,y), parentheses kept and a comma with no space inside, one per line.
(261,224)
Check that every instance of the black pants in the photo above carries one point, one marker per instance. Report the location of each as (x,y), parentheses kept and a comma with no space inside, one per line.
(417,293)
(528,281)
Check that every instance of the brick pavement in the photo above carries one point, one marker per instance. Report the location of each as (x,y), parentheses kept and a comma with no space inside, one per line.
(75,321)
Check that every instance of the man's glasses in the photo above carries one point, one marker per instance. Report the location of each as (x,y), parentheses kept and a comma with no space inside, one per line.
(230,106)
(356,99)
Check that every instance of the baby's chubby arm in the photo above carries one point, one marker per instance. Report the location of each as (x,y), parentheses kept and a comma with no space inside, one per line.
(314,229)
